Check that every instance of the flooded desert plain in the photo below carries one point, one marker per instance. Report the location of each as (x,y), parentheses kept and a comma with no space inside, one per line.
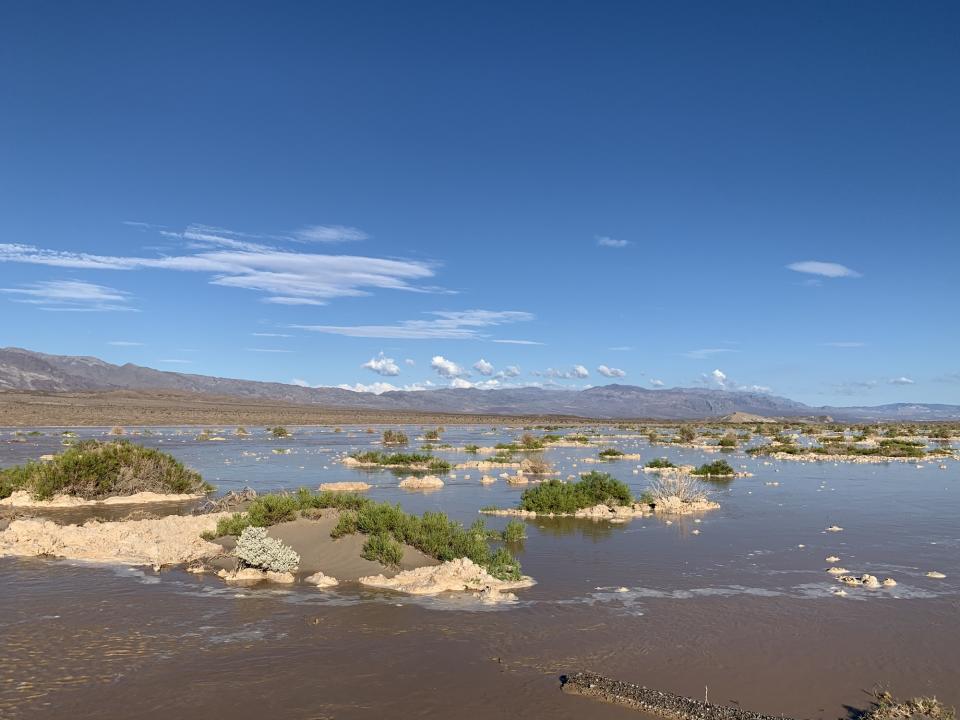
(735,604)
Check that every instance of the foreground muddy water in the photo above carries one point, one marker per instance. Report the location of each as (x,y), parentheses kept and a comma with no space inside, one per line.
(737,606)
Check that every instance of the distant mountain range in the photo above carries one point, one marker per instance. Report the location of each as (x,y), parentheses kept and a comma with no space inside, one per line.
(26,370)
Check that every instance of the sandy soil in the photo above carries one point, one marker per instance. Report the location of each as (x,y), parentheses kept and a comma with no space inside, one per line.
(345,486)
(452,576)
(170,540)
(337,558)
(23,499)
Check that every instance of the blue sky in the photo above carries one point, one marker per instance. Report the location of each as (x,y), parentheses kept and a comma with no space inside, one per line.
(725,194)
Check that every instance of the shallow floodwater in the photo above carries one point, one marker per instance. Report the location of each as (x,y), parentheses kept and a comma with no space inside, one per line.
(738,605)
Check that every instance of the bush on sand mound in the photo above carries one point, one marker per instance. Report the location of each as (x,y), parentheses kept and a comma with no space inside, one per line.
(94,470)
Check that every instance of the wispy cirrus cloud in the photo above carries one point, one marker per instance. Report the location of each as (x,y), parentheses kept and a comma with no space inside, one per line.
(330,234)
(610,242)
(250,262)
(444,325)
(71,295)
(267,350)
(823,269)
(518,342)
(704,353)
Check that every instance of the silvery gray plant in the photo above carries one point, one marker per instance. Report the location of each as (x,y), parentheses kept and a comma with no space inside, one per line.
(255,549)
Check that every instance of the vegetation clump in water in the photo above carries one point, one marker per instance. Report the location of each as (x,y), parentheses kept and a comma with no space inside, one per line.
(375,457)
(593,488)
(887,707)
(94,470)
(718,468)
(659,464)
(610,454)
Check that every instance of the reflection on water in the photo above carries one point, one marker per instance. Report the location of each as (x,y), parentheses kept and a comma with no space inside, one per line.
(728,602)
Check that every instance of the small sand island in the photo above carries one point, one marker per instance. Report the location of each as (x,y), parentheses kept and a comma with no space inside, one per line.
(599,496)
(94,472)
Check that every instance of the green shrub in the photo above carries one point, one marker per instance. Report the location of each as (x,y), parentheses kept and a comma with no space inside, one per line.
(375,457)
(515,531)
(433,533)
(394,437)
(718,468)
(472,449)
(382,548)
(610,454)
(94,470)
(659,463)
(279,432)
(593,488)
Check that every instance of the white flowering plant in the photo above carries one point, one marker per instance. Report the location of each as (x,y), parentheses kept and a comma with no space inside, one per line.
(256,550)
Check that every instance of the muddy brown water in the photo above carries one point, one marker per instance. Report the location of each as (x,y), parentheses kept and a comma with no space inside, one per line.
(740,611)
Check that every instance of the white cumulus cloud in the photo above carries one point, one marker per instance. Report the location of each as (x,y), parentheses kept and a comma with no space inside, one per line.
(611,372)
(447,368)
(483,367)
(382,365)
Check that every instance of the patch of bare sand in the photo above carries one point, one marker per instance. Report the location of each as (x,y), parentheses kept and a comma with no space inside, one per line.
(22,498)
(170,540)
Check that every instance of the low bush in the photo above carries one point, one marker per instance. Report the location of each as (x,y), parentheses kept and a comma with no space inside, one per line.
(433,533)
(394,437)
(94,470)
(718,468)
(256,550)
(593,488)
(382,548)
(278,432)
(515,531)
(375,457)
(610,453)
(660,463)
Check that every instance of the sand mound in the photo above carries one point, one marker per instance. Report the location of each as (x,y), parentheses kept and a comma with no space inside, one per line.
(673,505)
(459,575)
(253,575)
(345,487)
(170,540)
(428,482)
(22,498)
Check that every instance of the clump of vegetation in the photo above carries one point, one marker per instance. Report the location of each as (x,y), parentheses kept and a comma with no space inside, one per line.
(718,468)
(472,449)
(728,441)
(395,437)
(593,488)
(683,487)
(256,550)
(94,470)
(382,548)
(433,534)
(267,510)
(887,707)
(536,465)
(429,462)
(578,438)
(610,454)
(278,432)
(241,432)
(514,532)
(686,434)
(660,463)
(432,435)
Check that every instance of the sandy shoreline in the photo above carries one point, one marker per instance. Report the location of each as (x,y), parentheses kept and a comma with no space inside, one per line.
(23,499)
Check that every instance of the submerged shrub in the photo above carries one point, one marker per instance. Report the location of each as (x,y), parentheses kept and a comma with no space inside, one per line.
(94,470)
(279,432)
(610,453)
(593,488)
(515,531)
(256,550)
(684,487)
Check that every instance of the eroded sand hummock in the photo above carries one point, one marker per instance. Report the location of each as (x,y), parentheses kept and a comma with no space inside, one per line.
(170,540)
(253,575)
(428,482)
(459,575)
(345,486)
(22,498)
